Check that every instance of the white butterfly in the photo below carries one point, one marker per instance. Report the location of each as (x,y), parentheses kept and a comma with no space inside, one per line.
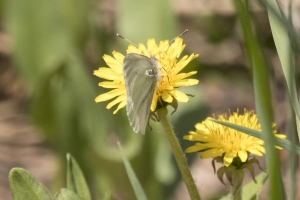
(140,75)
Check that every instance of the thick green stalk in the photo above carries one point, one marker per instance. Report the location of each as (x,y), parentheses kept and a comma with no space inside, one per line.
(178,154)
(262,99)
(237,195)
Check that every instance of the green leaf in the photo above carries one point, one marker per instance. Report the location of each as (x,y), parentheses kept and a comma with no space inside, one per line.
(285,53)
(25,186)
(251,189)
(263,99)
(285,144)
(65,194)
(138,190)
(75,179)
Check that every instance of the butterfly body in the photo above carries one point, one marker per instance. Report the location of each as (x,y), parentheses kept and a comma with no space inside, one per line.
(141,75)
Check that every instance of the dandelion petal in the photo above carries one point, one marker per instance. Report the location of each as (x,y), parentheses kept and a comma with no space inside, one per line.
(180,96)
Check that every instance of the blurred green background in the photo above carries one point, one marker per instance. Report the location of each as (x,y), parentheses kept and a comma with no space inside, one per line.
(48,51)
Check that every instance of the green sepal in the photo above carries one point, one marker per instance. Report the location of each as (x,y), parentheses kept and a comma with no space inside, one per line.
(220,174)
(229,173)
(237,179)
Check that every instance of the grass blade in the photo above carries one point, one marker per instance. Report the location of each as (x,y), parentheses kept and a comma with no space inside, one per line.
(285,53)
(75,179)
(262,99)
(138,190)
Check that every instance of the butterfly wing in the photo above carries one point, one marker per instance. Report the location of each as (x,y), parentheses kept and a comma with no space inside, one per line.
(140,75)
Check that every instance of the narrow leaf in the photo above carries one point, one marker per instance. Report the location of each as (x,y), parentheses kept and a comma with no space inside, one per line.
(138,190)
(25,186)
(285,53)
(75,179)
(65,194)
(263,99)
(251,189)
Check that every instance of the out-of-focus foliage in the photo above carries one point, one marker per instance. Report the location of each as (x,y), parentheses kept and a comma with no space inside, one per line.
(141,20)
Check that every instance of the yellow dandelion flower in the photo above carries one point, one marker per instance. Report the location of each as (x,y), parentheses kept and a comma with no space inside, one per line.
(214,140)
(170,77)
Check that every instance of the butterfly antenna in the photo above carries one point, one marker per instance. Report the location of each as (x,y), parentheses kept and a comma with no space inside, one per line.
(184,32)
(120,36)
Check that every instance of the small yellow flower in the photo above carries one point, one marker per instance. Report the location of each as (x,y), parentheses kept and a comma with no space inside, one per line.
(216,140)
(170,76)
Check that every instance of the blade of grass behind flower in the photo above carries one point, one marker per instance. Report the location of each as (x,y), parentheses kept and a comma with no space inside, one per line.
(138,190)
(292,157)
(285,53)
(252,189)
(290,130)
(262,99)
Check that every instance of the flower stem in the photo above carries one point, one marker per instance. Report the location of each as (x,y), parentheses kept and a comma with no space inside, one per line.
(237,195)
(179,155)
